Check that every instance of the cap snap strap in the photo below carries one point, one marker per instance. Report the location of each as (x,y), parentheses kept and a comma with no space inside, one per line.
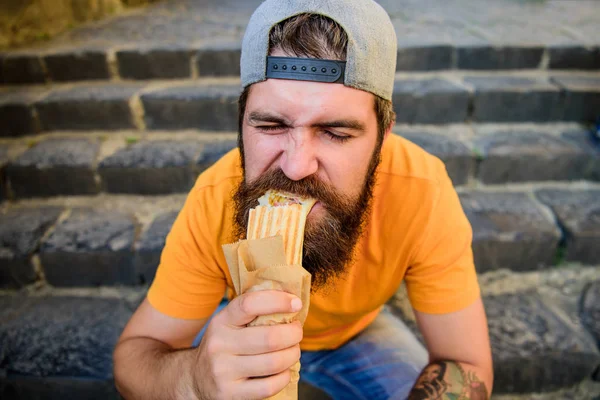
(306,69)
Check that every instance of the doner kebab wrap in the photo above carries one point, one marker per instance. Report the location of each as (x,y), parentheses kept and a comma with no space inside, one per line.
(271,258)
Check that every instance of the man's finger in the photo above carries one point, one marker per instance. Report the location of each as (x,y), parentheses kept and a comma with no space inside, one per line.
(262,388)
(267,364)
(264,339)
(245,308)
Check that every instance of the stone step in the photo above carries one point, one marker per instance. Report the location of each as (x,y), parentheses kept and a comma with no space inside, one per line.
(217,59)
(105,240)
(188,39)
(541,330)
(58,343)
(131,162)
(211,104)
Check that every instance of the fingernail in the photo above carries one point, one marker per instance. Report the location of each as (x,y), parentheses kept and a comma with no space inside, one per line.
(296,304)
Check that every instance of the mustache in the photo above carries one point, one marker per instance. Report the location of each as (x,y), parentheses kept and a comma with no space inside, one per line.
(311,186)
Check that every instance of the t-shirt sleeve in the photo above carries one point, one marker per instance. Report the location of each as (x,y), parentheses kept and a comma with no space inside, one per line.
(441,277)
(189,283)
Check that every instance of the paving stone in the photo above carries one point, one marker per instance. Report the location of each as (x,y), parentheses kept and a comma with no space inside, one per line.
(55,167)
(16,113)
(459,160)
(184,107)
(219,61)
(590,310)
(77,65)
(154,167)
(522,156)
(154,63)
(430,101)
(582,102)
(534,349)
(515,99)
(509,231)
(61,347)
(87,107)
(150,246)
(212,152)
(3,161)
(574,57)
(90,248)
(20,233)
(486,57)
(578,213)
(17,388)
(591,146)
(425,58)
(22,69)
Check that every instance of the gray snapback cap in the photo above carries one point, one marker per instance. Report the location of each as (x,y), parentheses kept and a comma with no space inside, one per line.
(372,45)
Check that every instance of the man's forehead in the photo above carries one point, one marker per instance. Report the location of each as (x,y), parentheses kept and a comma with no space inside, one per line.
(291,99)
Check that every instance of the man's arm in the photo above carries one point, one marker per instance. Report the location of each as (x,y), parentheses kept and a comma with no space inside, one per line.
(153,360)
(150,360)
(459,354)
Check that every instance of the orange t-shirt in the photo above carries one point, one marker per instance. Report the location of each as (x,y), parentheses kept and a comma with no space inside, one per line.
(417,232)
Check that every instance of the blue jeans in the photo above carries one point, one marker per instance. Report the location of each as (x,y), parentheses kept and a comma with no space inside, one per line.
(382,362)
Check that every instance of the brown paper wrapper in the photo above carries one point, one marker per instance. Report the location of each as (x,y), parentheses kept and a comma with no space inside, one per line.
(260,264)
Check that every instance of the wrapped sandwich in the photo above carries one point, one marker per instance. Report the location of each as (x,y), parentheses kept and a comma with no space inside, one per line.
(271,258)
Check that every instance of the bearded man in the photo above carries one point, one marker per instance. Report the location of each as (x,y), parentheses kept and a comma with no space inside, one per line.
(315,117)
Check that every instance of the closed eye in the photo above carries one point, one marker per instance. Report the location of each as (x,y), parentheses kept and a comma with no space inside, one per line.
(336,137)
(270,128)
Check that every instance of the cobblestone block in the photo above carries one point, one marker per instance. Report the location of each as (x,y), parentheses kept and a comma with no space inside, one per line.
(515,99)
(153,167)
(486,57)
(88,107)
(3,161)
(55,167)
(459,160)
(583,138)
(429,101)
(24,68)
(574,57)
(165,63)
(20,233)
(150,246)
(77,65)
(522,156)
(16,113)
(90,248)
(590,310)
(578,213)
(60,347)
(425,58)
(212,152)
(222,61)
(534,349)
(209,107)
(582,102)
(19,387)
(509,231)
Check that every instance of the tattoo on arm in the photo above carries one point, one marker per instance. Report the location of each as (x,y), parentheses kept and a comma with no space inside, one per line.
(447,380)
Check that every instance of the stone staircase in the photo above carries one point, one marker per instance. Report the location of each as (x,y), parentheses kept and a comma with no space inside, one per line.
(104,130)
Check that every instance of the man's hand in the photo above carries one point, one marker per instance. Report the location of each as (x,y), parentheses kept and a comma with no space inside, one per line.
(235,361)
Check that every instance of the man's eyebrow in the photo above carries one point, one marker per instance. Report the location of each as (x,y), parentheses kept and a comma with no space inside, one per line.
(342,123)
(258,116)
(261,116)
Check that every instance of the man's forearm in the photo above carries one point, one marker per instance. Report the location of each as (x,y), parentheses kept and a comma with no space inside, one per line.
(148,369)
(449,380)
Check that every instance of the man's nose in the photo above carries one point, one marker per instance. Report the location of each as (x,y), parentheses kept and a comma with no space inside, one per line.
(299,160)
